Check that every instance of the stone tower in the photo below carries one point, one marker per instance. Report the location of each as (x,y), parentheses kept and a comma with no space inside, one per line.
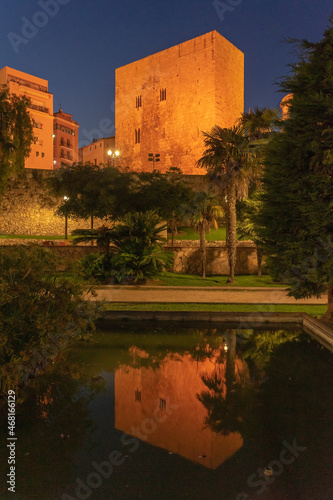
(166,100)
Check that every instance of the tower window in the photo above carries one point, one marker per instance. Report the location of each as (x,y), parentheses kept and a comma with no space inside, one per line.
(162,94)
(137,136)
(138,396)
(162,404)
(138,101)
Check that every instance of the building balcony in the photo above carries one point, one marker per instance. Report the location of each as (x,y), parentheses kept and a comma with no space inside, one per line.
(39,108)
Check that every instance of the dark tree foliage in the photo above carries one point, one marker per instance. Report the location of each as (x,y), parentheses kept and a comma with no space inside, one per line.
(16,135)
(296,222)
(87,190)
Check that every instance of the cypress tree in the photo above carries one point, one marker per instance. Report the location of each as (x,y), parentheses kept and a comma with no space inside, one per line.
(296,222)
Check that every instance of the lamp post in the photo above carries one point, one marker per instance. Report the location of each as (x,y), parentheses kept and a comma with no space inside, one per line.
(66,221)
(113,156)
(154,158)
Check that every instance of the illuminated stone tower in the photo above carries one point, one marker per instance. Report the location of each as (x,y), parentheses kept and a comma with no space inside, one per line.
(166,100)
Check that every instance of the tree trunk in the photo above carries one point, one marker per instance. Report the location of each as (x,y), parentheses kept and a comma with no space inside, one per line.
(231,234)
(172,227)
(259,262)
(203,248)
(329,313)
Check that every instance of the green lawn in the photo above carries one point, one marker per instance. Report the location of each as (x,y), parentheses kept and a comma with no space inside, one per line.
(313,310)
(32,237)
(172,279)
(188,233)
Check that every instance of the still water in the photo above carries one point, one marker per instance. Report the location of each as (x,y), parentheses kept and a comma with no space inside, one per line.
(172,413)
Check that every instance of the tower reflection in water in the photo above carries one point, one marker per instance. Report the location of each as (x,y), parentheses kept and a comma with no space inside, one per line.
(171,404)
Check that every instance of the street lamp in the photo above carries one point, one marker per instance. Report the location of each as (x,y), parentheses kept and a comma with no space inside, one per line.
(113,156)
(66,221)
(154,158)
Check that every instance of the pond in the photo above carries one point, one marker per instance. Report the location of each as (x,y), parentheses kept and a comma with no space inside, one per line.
(174,413)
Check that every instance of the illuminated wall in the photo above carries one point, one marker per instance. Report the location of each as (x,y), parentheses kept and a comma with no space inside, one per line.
(171,391)
(22,84)
(66,139)
(166,100)
(284,106)
(97,151)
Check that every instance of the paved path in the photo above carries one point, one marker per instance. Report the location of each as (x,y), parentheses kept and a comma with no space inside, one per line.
(212,295)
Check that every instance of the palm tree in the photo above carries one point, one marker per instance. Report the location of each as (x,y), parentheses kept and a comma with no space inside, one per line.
(228,160)
(259,124)
(139,244)
(204,211)
(247,226)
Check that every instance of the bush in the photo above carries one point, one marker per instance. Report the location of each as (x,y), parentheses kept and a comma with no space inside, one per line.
(95,266)
(139,243)
(39,313)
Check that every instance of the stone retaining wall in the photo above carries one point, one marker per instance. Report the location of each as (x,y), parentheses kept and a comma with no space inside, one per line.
(27,208)
(188,257)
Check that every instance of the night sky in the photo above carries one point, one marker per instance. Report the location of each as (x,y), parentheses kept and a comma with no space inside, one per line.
(78,44)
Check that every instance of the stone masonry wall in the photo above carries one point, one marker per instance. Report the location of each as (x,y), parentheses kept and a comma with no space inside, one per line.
(27,208)
(187,258)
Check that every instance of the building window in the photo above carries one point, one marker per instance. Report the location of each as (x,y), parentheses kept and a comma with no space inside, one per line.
(69,143)
(62,153)
(162,94)
(137,136)
(37,153)
(138,396)
(162,404)
(43,154)
(62,141)
(68,155)
(138,101)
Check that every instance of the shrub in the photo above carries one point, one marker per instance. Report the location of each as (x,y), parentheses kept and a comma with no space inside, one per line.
(38,312)
(95,266)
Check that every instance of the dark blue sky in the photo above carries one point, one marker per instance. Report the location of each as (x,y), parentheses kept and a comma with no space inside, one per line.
(79,43)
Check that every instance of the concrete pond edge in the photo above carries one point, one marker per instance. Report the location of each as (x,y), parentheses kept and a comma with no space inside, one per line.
(316,327)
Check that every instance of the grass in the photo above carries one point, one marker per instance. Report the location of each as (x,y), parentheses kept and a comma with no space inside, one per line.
(32,237)
(188,233)
(172,279)
(288,308)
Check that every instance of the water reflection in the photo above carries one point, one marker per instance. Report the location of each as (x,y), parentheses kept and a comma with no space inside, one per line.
(172,406)
(219,401)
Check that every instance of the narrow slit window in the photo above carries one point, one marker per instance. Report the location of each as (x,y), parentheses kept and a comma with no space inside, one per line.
(137,396)
(162,94)
(137,136)
(162,404)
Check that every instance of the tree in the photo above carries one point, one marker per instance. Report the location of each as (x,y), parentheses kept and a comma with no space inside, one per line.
(16,135)
(139,247)
(167,194)
(88,191)
(247,227)
(295,224)
(203,213)
(228,161)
